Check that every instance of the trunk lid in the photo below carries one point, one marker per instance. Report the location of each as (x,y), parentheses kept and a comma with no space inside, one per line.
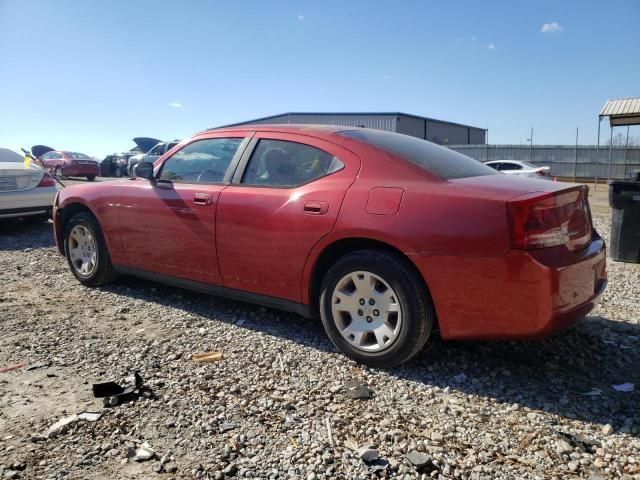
(15,177)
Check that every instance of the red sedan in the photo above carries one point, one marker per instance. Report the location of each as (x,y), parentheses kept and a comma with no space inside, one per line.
(384,236)
(70,164)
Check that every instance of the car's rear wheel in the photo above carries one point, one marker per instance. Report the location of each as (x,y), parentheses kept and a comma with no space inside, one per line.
(58,173)
(118,172)
(91,178)
(86,250)
(375,308)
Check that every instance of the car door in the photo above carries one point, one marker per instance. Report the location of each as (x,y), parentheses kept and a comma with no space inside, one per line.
(168,224)
(284,198)
(510,168)
(155,153)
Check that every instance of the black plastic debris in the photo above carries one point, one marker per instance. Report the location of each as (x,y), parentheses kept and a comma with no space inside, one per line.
(115,394)
(357,389)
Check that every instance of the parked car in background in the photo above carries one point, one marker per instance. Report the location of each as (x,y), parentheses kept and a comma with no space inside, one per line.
(159,149)
(384,236)
(25,192)
(66,163)
(115,165)
(517,167)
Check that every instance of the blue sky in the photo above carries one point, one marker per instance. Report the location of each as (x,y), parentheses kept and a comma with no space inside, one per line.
(89,76)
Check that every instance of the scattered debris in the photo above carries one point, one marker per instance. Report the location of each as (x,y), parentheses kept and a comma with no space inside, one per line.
(62,425)
(607,429)
(35,366)
(13,367)
(145,452)
(115,394)
(624,387)
(594,392)
(377,465)
(357,389)
(569,441)
(281,362)
(329,434)
(209,357)
(226,426)
(351,444)
(422,462)
(368,454)
(90,416)
(240,322)
(290,418)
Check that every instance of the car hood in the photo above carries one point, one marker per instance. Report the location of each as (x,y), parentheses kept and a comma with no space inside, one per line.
(146,143)
(39,150)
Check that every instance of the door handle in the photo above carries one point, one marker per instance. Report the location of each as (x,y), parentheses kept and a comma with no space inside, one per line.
(201,198)
(315,208)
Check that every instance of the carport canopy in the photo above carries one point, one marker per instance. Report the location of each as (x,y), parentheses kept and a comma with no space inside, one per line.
(622,111)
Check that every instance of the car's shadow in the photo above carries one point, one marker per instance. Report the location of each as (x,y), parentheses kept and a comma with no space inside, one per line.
(570,375)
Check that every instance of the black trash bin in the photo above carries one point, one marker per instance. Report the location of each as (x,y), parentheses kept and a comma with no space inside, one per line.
(624,198)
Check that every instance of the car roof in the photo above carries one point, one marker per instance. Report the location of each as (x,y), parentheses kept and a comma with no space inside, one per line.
(285,127)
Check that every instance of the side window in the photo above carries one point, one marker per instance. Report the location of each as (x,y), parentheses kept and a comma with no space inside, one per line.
(46,156)
(510,166)
(280,163)
(203,161)
(495,166)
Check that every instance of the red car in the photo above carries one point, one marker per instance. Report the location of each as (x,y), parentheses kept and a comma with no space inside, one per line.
(384,236)
(68,164)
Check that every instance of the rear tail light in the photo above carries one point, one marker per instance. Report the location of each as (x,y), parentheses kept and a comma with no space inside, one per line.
(551,219)
(542,172)
(47,181)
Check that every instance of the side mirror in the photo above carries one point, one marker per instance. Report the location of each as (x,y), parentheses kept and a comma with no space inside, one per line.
(144,170)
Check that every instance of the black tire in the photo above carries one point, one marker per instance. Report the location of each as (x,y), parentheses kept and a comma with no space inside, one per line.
(418,313)
(58,173)
(103,273)
(118,172)
(91,178)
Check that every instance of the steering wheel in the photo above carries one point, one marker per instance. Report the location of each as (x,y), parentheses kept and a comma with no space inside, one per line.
(210,175)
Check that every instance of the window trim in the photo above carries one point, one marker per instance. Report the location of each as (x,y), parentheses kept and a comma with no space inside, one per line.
(251,148)
(226,180)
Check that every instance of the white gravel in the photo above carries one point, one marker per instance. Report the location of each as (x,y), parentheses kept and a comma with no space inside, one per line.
(275,405)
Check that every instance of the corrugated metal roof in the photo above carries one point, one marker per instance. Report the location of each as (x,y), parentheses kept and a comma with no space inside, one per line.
(621,107)
(391,115)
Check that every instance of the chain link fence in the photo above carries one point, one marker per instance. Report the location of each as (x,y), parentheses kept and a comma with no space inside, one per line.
(582,161)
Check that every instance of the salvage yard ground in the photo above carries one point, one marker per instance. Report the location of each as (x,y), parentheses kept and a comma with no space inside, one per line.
(275,405)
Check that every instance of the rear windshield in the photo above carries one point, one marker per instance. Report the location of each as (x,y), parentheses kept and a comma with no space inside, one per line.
(438,160)
(77,156)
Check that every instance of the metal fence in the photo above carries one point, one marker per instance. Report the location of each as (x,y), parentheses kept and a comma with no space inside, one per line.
(565,160)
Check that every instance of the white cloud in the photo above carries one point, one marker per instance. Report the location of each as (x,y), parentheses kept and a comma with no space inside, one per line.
(301,18)
(386,77)
(491,46)
(553,27)
(175,105)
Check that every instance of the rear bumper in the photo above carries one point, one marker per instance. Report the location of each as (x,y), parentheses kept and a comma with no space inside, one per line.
(81,170)
(523,295)
(29,202)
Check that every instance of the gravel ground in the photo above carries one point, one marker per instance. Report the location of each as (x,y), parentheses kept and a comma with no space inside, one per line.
(465,409)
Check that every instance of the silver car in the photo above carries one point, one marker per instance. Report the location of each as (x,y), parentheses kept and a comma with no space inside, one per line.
(25,192)
(520,168)
(151,156)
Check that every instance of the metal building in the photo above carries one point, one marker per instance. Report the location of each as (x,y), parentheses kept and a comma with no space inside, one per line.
(437,131)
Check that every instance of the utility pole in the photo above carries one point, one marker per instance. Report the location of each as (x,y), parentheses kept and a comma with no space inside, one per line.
(531,145)
(575,157)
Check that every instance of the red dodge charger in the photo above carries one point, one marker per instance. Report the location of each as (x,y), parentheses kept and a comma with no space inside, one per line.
(382,235)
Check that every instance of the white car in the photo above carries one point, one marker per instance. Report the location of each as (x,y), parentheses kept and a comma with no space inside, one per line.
(25,192)
(517,167)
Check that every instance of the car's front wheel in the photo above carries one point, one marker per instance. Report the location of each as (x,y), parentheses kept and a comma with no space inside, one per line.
(375,308)
(118,172)
(86,250)
(91,178)
(58,173)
